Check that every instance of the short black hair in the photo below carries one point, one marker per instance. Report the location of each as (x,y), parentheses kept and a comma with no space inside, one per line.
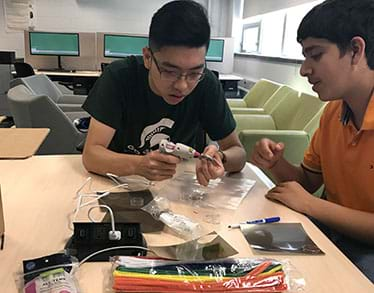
(179,23)
(338,21)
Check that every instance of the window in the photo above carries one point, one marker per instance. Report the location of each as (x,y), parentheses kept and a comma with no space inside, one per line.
(251,38)
(274,34)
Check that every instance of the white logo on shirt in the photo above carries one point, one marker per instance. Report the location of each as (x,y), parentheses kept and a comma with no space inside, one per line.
(152,136)
(152,133)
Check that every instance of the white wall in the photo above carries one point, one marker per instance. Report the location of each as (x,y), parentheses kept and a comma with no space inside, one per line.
(256,7)
(126,16)
(254,69)
(287,73)
(9,41)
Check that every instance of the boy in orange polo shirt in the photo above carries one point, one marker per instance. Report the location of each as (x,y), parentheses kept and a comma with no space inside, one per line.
(337,37)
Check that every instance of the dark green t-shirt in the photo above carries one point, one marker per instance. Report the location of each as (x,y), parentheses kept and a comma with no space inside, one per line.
(122,99)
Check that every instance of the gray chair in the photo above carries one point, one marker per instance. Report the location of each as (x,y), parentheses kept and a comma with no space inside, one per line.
(40,84)
(39,111)
(5,77)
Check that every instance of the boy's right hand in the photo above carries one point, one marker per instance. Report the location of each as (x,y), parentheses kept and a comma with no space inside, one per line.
(266,153)
(156,166)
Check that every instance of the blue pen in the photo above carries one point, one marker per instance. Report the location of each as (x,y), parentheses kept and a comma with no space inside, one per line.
(260,221)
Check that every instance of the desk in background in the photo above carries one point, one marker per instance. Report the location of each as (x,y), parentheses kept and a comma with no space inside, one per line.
(83,81)
(38,195)
(21,143)
(230,85)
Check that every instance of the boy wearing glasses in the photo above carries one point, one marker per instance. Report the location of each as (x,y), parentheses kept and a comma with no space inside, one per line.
(167,93)
(337,37)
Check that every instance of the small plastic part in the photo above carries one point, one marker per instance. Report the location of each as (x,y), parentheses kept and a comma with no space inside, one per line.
(115,235)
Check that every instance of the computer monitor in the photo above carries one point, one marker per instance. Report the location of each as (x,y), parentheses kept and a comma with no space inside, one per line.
(120,46)
(54,44)
(215,51)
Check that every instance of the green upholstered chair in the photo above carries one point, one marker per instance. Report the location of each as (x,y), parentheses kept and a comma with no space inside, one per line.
(273,102)
(294,126)
(256,96)
(278,109)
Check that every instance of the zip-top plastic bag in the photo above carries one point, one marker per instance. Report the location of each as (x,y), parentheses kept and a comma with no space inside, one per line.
(49,274)
(134,274)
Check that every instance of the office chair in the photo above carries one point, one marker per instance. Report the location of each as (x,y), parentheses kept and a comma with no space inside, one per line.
(40,84)
(23,69)
(31,110)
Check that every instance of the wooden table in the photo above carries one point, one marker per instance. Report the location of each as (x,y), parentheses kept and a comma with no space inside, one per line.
(21,143)
(78,73)
(38,195)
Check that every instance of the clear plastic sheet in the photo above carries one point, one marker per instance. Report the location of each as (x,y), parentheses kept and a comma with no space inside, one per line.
(225,192)
(132,274)
(132,183)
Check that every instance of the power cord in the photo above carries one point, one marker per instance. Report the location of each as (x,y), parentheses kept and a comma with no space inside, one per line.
(112,248)
(96,195)
(113,234)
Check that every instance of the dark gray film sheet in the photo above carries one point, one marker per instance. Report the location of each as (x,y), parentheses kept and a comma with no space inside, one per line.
(289,238)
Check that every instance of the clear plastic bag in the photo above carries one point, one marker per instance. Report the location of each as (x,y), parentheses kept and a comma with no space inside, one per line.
(132,274)
(132,183)
(225,192)
(182,225)
(49,274)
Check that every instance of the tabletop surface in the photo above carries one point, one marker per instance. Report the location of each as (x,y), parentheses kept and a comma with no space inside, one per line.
(20,143)
(39,196)
(77,73)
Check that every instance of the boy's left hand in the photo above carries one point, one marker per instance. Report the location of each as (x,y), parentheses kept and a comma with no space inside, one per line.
(291,194)
(207,169)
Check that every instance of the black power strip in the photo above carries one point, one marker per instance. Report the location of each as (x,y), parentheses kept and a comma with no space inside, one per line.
(91,237)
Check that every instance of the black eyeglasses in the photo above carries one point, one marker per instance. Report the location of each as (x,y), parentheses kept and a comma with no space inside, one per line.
(173,76)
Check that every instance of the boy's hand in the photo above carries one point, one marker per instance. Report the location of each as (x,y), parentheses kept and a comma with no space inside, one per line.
(157,166)
(266,153)
(209,169)
(293,195)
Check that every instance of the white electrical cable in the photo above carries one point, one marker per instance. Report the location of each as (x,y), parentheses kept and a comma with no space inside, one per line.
(111,248)
(105,193)
(83,185)
(118,179)
(95,194)
(113,177)
(110,212)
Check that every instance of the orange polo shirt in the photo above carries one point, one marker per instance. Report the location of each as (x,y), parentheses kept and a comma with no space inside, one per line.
(345,156)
